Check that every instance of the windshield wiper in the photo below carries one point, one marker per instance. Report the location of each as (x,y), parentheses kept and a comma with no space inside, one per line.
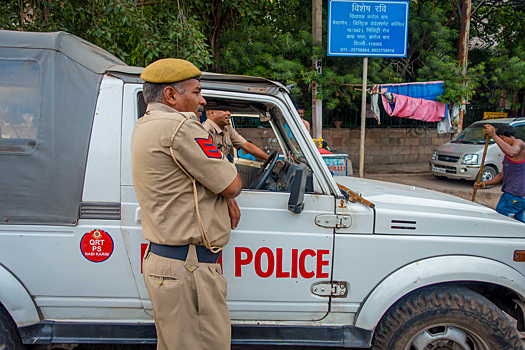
(463,141)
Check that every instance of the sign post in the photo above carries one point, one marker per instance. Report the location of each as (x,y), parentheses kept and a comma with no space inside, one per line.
(370,28)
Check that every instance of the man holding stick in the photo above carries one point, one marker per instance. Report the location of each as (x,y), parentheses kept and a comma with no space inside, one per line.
(512,200)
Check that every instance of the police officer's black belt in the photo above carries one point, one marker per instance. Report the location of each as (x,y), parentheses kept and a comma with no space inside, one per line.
(180,252)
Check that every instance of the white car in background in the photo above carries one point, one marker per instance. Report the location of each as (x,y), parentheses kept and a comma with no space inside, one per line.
(461,157)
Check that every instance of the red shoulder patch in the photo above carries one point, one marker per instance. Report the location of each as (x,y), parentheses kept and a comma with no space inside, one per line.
(209,148)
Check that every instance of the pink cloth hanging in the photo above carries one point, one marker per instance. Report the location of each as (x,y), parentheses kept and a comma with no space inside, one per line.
(415,108)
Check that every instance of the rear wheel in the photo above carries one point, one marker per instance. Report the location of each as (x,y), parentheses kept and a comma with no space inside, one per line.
(9,336)
(445,318)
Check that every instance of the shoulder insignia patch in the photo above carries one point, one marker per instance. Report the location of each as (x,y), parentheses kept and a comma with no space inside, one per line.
(209,148)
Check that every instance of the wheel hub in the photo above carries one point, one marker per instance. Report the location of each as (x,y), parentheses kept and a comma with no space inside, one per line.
(446,338)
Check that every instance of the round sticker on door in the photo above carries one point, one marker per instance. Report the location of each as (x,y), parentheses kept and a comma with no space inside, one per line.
(96,246)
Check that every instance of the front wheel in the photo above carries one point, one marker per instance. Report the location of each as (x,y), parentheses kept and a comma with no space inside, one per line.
(9,336)
(445,318)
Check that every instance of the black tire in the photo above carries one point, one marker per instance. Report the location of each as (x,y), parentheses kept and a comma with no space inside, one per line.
(9,336)
(445,317)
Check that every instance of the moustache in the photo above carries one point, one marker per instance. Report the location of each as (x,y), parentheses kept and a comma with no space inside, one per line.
(200,109)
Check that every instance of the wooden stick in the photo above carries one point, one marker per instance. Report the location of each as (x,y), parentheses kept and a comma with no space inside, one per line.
(481,168)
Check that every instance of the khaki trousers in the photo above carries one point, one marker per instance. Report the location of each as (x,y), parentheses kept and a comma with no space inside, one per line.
(189,303)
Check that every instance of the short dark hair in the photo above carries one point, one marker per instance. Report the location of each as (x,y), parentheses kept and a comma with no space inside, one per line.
(506,130)
(154,92)
(300,107)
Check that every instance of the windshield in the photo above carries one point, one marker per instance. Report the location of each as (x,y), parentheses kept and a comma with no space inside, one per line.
(288,138)
(475,134)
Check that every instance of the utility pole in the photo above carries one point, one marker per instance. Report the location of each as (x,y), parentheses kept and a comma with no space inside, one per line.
(317,104)
(464,31)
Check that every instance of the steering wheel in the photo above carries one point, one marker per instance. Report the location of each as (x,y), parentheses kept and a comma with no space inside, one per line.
(264,172)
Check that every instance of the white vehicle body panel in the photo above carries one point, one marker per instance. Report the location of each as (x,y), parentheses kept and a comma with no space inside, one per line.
(261,226)
(17,300)
(102,180)
(437,270)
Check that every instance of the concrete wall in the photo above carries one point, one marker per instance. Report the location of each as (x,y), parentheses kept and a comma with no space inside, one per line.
(382,146)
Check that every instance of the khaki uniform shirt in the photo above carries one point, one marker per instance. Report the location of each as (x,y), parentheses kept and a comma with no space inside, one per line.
(224,139)
(165,192)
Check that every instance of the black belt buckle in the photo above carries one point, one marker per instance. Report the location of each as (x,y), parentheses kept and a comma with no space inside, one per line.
(180,252)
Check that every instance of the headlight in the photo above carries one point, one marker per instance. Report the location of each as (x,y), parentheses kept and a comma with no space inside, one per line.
(434,156)
(470,159)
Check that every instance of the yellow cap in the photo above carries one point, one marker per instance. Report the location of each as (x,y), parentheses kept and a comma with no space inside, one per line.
(170,70)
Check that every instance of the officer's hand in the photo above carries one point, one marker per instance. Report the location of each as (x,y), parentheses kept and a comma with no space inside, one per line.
(234,212)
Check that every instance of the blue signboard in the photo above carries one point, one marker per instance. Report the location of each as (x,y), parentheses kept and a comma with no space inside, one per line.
(367,28)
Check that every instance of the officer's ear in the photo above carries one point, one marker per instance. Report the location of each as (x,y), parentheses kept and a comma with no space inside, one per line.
(170,95)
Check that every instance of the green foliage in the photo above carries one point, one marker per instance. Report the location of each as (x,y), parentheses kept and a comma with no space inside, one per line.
(272,38)
(137,34)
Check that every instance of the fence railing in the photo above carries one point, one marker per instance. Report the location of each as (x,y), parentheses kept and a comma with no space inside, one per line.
(352,119)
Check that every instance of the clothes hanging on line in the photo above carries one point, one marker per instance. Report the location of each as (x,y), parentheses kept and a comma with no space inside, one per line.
(414,108)
(374,102)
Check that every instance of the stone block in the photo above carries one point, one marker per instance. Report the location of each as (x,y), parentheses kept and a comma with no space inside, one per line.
(399,150)
(410,158)
(371,142)
(374,150)
(397,158)
(425,141)
(355,133)
(412,141)
(415,150)
(350,141)
(376,133)
(327,133)
(432,133)
(384,141)
(396,142)
(382,159)
(340,133)
(337,142)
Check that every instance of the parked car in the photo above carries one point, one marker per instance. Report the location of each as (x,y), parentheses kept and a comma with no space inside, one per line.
(461,157)
(315,260)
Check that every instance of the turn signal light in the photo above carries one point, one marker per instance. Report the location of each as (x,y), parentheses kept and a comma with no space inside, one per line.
(519,255)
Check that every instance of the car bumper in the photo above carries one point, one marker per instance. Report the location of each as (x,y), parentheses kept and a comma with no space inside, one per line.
(454,170)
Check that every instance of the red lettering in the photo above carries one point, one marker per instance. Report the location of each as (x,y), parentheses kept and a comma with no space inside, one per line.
(295,253)
(143,247)
(271,262)
(302,268)
(239,261)
(321,263)
(279,273)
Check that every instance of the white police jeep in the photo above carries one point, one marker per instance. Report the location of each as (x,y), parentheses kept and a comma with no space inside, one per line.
(311,262)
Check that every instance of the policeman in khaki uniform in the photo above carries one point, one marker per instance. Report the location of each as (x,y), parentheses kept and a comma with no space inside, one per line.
(185,188)
(225,137)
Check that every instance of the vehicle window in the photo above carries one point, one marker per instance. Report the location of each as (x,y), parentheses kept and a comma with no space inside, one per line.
(288,138)
(141,105)
(520,131)
(19,105)
(475,134)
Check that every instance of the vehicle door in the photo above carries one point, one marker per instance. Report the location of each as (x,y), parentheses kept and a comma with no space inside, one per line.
(274,257)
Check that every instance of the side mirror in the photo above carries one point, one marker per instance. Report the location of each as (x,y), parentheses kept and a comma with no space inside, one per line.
(296,201)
